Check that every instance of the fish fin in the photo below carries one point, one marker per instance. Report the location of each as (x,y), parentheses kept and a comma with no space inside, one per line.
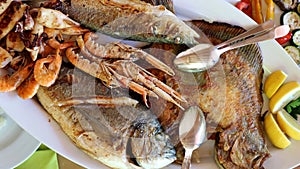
(251,53)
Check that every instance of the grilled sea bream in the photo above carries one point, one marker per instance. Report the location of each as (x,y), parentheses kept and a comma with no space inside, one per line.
(129,19)
(118,135)
(237,123)
(230,96)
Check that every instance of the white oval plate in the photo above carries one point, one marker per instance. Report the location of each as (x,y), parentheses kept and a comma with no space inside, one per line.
(33,118)
(16,145)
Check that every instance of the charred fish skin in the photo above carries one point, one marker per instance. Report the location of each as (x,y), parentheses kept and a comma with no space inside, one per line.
(240,141)
(134,20)
(113,136)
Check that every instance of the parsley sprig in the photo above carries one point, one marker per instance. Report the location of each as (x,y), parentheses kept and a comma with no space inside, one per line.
(293,108)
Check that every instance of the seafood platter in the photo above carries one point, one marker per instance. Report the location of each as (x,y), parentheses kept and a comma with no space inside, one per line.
(95,82)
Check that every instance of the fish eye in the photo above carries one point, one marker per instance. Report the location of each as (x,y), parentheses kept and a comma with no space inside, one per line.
(177,40)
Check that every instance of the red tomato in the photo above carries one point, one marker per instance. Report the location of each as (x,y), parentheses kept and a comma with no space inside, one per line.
(241,5)
(244,6)
(284,39)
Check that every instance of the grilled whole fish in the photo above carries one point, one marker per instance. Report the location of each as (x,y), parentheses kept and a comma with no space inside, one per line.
(119,137)
(230,96)
(129,19)
(240,141)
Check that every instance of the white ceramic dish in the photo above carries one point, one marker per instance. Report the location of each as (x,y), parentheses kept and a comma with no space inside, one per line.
(16,145)
(31,116)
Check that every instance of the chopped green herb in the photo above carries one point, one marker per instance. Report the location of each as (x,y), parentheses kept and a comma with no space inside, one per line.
(293,108)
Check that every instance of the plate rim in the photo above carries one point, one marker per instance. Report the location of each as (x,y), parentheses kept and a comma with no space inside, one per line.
(54,130)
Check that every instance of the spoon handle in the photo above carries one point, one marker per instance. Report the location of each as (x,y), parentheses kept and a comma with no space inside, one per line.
(186,164)
(264,27)
(271,34)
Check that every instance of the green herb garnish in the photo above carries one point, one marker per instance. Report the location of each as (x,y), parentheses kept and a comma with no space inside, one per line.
(293,108)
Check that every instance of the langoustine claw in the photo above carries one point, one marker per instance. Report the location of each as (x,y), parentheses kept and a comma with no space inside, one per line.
(134,72)
(98,100)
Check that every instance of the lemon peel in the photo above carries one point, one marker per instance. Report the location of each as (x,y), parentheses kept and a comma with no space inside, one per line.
(273,82)
(285,94)
(288,124)
(274,133)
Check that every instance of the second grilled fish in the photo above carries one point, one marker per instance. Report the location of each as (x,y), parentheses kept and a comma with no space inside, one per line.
(235,117)
(229,94)
(129,19)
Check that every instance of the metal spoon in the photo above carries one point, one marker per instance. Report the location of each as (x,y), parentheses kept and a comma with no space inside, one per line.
(191,136)
(204,56)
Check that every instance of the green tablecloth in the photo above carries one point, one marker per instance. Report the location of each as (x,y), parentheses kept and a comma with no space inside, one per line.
(43,158)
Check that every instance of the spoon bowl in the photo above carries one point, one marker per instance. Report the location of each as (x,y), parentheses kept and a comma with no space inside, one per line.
(192,136)
(204,56)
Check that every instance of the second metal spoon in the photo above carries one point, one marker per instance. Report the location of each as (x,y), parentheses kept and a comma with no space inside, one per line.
(192,133)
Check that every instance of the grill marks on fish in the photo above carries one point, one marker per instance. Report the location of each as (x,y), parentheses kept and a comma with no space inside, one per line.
(114,136)
(240,141)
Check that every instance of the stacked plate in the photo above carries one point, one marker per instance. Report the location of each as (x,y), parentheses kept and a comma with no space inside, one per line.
(16,145)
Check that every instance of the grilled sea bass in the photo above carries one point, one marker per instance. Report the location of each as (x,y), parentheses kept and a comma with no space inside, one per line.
(119,136)
(129,19)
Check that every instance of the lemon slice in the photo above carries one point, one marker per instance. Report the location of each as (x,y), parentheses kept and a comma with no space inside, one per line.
(274,133)
(288,124)
(273,82)
(286,93)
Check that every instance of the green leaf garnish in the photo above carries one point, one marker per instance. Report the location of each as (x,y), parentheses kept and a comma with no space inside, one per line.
(293,107)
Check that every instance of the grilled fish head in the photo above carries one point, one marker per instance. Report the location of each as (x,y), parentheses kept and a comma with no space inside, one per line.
(148,144)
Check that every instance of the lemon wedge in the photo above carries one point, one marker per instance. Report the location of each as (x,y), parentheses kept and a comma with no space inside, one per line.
(274,133)
(286,93)
(288,124)
(273,82)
